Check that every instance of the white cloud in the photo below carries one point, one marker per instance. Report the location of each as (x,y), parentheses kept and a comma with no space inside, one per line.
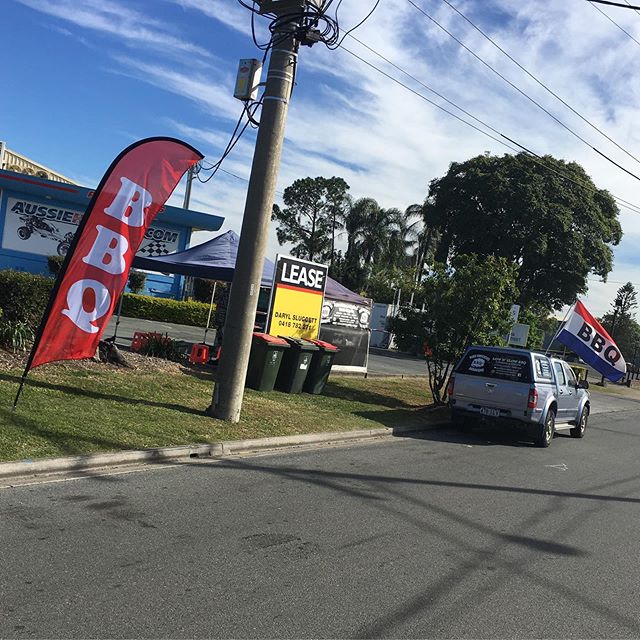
(116,19)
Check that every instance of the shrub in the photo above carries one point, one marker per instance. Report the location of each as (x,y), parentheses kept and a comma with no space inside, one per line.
(24,296)
(408,331)
(136,281)
(202,289)
(159,346)
(15,335)
(55,264)
(165,310)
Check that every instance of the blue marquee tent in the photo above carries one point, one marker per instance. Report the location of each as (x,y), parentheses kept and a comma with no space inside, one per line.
(216,260)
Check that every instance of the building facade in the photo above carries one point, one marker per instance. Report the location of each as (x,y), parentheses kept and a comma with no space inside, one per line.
(39,217)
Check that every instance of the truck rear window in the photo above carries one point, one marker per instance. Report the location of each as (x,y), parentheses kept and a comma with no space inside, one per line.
(495,364)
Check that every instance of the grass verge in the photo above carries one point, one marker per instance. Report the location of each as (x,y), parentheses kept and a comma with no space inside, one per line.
(75,408)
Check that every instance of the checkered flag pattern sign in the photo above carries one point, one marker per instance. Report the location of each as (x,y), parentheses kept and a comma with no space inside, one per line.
(154,249)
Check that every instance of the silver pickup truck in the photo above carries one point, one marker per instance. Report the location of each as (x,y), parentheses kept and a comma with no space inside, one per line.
(518,387)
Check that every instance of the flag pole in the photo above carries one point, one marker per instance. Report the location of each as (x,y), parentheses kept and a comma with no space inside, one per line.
(560,326)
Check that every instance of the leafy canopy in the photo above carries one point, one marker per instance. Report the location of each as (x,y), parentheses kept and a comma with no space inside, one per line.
(312,213)
(557,231)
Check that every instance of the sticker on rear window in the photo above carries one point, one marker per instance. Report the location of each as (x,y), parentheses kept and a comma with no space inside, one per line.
(504,366)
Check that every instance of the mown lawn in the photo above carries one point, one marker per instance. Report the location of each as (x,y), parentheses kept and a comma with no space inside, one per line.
(82,407)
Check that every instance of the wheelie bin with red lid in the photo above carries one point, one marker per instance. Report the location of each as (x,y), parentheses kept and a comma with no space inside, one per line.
(320,368)
(264,361)
(295,365)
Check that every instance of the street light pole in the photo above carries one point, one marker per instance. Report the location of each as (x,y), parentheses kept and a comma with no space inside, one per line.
(243,301)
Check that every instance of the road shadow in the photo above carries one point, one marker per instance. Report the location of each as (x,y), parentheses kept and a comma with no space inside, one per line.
(96,395)
(497,547)
(438,428)
(480,436)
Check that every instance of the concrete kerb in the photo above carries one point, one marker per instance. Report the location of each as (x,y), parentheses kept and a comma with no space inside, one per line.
(31,469)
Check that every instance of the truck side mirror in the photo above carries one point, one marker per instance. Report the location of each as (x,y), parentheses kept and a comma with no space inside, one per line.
(583,384)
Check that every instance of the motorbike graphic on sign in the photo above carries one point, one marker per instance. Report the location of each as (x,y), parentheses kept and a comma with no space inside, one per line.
(34,225)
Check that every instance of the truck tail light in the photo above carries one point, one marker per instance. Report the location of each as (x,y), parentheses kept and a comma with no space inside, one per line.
(452,380)
(532,400)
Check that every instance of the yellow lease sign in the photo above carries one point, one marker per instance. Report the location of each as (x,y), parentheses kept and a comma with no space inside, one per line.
(296,298)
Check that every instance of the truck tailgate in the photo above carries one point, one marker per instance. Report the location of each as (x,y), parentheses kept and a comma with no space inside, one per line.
(485,392)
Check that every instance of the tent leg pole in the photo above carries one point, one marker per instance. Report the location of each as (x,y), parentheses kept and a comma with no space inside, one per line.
(213,293)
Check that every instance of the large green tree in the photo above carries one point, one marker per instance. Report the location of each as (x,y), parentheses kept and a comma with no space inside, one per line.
(552,222)
(312,213)
(621,323)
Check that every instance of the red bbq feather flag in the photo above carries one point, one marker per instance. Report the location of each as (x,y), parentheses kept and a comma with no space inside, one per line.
(131,193)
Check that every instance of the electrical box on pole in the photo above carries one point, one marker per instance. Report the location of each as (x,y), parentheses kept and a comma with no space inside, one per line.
(248,79)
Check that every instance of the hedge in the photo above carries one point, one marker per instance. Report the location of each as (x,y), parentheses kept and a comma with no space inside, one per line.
(165,310)
(23,297)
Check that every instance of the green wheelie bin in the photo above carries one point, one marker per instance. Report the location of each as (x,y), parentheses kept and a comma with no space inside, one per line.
(295,365)
(320,368)
(264,361)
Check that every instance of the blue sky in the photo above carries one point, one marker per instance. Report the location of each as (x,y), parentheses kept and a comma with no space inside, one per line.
(85,78)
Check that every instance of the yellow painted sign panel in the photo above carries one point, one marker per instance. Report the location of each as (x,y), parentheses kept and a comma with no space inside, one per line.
(297,296)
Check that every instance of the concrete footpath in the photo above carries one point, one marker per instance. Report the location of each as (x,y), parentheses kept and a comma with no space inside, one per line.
(24,470)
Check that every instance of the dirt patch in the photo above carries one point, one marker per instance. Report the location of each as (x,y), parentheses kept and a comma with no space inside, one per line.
(11,361)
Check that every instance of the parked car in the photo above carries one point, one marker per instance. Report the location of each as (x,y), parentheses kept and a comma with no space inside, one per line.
(517,387)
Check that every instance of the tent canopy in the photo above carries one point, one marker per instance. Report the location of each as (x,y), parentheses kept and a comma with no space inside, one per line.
(216,260)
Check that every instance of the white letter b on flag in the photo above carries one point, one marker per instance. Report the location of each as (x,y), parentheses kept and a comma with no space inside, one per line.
(107,251)
(130,203)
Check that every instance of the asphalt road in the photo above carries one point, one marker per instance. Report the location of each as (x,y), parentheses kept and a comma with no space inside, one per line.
(442,535)
(391,364)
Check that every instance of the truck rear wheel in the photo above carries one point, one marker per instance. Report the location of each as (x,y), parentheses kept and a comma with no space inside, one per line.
(579,429)
(546,430)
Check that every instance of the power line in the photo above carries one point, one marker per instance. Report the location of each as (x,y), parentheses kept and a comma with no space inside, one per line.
(235,175)
(542,84)
(375,6)
(514,86)
(610,19)
(235,138)
(615,4)
(534,156)
(632,7)
(435,104)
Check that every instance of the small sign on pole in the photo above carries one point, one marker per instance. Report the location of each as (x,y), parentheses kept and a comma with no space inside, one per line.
(519,335)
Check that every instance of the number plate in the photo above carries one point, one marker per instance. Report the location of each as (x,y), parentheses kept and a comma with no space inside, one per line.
(493,413)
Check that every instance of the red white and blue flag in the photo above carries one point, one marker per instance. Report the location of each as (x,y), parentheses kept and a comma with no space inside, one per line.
(588,338)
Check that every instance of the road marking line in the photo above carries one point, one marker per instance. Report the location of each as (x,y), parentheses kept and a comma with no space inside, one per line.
(562,467)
